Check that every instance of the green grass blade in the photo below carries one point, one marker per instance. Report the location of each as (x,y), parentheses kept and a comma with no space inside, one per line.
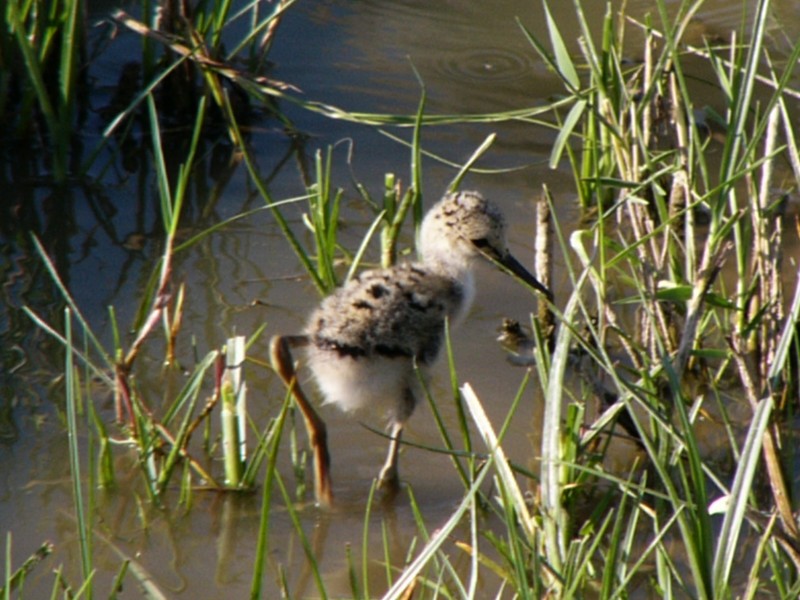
(741,97)
(789,334)
(33,69)
(307,549)
(727,541)
(84,529)
(542,52)
(437,417)
(416,154)
(56,278)
(555,521)
(563,60)
(365,553)
(362,248)
(192,387)
(46,327)
(434,545)
(701,552)
(16,578)
(187,400)
(481,150)
(301,254)
(573,119)
(262,546)
(164,189)
(69,58)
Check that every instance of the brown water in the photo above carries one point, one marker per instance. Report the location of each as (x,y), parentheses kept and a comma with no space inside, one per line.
(356,55)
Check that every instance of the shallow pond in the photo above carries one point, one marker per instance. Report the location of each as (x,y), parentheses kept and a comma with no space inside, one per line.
(360,56)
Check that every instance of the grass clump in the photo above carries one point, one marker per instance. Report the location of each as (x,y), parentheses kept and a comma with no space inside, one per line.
(42,61)
(652,290)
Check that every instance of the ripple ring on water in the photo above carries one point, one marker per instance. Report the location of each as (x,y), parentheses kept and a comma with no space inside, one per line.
(486,65)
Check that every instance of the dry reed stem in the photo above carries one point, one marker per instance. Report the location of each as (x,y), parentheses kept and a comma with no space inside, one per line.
(266,41)
(647,112)
(777,482)
(768,258)
(122,397)
(198,56)
(679,121)
(543,267)
(654,326)
(161,301)
(767,230)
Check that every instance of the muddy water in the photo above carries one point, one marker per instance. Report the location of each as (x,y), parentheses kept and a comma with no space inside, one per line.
(360,56)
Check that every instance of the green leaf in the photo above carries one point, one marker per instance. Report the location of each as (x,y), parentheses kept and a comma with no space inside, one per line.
(573,118)
(565,65)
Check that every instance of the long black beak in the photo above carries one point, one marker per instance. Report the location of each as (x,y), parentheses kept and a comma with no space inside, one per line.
(513,266)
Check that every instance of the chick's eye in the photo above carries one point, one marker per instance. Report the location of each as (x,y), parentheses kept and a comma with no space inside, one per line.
(486,247)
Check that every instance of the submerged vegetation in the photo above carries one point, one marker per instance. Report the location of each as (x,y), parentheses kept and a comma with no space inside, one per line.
(673,302)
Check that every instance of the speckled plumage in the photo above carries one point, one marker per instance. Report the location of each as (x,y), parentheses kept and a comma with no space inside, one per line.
(398,313)
(367,336)
(365,340)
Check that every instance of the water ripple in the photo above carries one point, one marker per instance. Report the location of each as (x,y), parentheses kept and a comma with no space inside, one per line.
(485,65)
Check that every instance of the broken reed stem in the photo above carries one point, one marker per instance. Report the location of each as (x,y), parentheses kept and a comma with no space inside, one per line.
(17,578)
(233,393)
(543,267)
(230,436)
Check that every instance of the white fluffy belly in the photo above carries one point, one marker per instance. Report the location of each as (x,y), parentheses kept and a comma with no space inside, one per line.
(376,383)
